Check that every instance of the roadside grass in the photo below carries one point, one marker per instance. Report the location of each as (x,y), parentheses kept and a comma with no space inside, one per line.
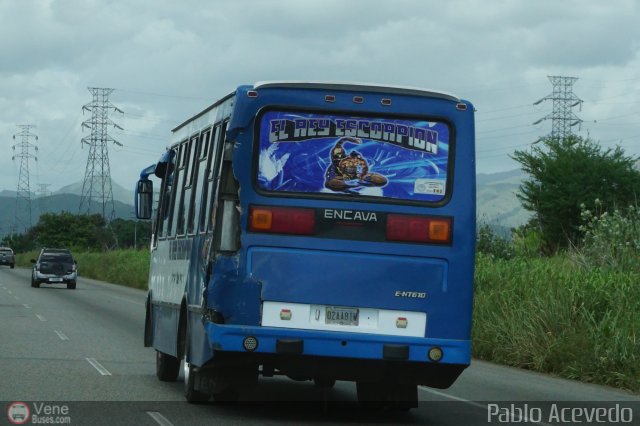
(553,316)
(126,267)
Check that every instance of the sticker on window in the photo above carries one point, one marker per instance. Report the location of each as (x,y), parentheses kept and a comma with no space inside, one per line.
(347,155)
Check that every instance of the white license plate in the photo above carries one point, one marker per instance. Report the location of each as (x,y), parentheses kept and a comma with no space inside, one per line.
(55,280)
(341,316)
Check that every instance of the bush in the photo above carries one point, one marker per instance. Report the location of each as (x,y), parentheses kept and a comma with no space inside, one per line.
(493,245)
(611,240)
(563,173)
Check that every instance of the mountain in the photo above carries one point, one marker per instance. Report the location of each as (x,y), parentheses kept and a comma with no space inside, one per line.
(120,193)
(497,204)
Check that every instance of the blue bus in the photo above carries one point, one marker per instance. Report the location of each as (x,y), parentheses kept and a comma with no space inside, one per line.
(321,231)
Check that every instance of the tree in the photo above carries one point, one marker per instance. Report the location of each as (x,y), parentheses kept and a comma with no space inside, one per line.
(565,173)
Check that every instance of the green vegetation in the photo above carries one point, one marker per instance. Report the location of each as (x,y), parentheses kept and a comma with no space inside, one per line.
(567,173)
(81,233)
(574,314)
(552,315)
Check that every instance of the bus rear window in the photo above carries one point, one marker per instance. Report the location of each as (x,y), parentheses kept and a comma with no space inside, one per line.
(344,155)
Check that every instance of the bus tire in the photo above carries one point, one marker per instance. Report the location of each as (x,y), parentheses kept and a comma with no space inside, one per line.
(167,367)
(324,382)
(371,394)
(401,397)
(229,394)
(191,373)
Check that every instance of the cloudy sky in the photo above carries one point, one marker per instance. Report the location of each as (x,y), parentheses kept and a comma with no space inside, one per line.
(169,59)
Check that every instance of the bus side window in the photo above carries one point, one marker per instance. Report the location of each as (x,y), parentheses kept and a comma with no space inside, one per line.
(176,190)
(205,206)
(199,161)
(215,175)
(163,206)
(185,189)
(227,234)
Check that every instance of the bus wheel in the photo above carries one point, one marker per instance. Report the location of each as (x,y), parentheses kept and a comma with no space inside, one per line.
(229,394)
(167,367)
(191,373)
(370,393)
(392,395)
(402,397)
(324,382)
(190,376)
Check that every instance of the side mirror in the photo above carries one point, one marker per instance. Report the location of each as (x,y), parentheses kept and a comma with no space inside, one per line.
(144,199)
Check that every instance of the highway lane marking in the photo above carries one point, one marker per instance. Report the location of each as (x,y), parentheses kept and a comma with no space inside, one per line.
(9,291)
(126,300)
(478,405)
(61,335)
(159,418)
(98,366)
(26,306)
(41,318)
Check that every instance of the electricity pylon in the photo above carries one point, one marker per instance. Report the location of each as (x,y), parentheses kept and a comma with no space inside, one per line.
(96,188)
(22,220)
(562,117)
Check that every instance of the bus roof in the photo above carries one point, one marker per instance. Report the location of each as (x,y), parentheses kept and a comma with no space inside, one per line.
(328,85)
(352,86)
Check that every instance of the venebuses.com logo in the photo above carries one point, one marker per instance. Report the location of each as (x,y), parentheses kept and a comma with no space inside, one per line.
(20,413)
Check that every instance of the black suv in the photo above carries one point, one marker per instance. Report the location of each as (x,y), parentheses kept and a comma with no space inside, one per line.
(54,266)
(7,257)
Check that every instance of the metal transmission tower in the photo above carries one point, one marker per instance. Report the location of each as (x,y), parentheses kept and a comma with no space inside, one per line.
(562,117)
(96,188)
(22,219)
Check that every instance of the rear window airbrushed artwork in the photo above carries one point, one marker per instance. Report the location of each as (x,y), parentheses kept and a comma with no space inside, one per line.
(314,153)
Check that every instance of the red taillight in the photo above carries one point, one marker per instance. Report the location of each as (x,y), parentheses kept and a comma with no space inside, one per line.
(418,229)
(282,220)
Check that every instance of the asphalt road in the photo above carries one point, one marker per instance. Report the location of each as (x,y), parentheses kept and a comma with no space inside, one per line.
(82,349)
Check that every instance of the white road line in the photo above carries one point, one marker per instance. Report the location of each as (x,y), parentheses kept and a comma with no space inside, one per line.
(61,335)
(9,291)
(98,366)
(26,306)
(478,405)
(41,318)
(435,392)
(127,300)
(17,298)
(159,418)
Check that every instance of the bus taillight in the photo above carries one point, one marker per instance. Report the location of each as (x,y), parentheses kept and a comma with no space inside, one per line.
(418,229)
(282,220)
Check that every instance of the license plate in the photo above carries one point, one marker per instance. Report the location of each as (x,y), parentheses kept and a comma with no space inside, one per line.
(55,280)
(341,316)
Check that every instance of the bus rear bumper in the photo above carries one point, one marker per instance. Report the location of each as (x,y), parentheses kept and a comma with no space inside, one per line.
(283,341)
